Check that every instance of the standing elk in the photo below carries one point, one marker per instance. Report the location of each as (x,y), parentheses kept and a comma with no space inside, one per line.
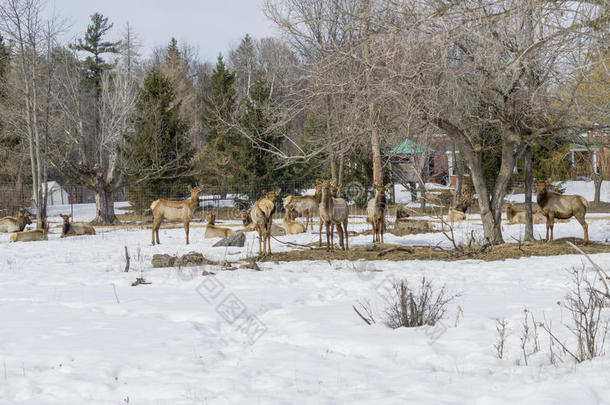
(333,212)
(174,211)
(558,206)
(375,212)
(290,225)
(15,224)
(213,231)
(306,205)
(262,218)
(31,236)
(75,228)
(516,216)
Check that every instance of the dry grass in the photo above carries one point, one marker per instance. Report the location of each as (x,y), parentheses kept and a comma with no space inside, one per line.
(500,252)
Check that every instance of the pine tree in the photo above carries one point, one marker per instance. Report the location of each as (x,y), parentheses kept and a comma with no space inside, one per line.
(94,44)
(216,160)
(159,148)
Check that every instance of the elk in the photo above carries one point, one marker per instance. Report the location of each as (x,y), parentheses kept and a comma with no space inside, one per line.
(290,225)
(213,231)
(75,228)
(333,211)
(249,226)
(516,216)
(558,206)
(455,215)
(15,224)
(306,205)
(262,218)
(33,235)
(174,211)
(375,212)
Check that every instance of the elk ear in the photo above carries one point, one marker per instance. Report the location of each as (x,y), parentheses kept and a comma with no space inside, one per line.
(388,185)
(278,191)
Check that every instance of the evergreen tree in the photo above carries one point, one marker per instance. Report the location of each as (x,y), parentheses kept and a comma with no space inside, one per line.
(159,148)
(218,108)
(94,44)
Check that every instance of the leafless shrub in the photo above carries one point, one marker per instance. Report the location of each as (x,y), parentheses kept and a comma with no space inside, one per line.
(529,338)
(585,303)
(408,307)
(501,329)
(475,242)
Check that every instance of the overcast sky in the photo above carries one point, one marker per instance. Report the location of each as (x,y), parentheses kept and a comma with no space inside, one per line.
(212,26)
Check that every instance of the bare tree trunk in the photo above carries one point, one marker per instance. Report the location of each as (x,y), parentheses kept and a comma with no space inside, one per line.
(340,169)
(372,127)
(457,169)
(527,169)
(598,179)
(104,204)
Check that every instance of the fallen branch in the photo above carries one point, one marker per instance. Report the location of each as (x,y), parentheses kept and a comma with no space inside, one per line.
(292,243)
(361,316)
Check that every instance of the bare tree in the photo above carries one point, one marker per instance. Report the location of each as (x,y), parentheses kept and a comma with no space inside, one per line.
(92,158)
(23,24)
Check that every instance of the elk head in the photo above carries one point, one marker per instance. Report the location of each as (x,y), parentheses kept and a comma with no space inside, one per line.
(211,218)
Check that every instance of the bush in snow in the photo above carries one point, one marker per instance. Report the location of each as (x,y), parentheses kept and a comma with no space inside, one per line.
(410,307)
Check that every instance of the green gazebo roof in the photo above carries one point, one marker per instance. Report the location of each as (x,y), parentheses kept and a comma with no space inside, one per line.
(407,147)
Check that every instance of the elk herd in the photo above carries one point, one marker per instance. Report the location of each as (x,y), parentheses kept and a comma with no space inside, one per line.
(326,204)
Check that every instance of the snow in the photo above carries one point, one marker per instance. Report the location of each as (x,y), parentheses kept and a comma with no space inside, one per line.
(75,331)
(583,188)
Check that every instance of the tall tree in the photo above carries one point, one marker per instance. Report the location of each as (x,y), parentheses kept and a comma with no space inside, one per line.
(158,154)
(218,136)
(95,45)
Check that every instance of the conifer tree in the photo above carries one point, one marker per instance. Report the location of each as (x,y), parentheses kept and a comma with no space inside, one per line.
(159,149)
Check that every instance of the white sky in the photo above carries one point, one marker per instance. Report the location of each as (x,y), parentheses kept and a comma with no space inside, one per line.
(212,26)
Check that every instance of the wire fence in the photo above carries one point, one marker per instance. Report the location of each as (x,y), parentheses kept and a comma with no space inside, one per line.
(225,199)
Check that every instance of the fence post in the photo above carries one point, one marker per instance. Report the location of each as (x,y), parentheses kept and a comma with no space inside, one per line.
(141,214)
(71,202)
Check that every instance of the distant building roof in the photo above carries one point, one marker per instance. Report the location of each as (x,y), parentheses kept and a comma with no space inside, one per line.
(407,147)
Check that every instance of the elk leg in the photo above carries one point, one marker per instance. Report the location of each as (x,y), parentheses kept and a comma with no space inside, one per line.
(340,235)
(382,230)
(186,230)
(585,228)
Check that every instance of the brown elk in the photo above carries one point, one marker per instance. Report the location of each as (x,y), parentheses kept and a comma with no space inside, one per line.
(249,226)
(455,215)
(375,212)
(516,216)
(333,212)
(290,225)
(15,224)
(262,218)
(31,236)
(558,206)
(306,205)
(213,231)
(174,211)
(75,228)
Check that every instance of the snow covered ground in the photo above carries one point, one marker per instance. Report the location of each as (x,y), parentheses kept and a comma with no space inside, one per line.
(75,331)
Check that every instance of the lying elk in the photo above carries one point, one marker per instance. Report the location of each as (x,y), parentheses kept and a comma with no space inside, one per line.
(213,231)
(333,212)
(455,215)
(15,224)
(262,218)
(290,225)
(558,206)
(174,211)
(75,228)
(516,216)
(33,235)
(305,206)
(375,212)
